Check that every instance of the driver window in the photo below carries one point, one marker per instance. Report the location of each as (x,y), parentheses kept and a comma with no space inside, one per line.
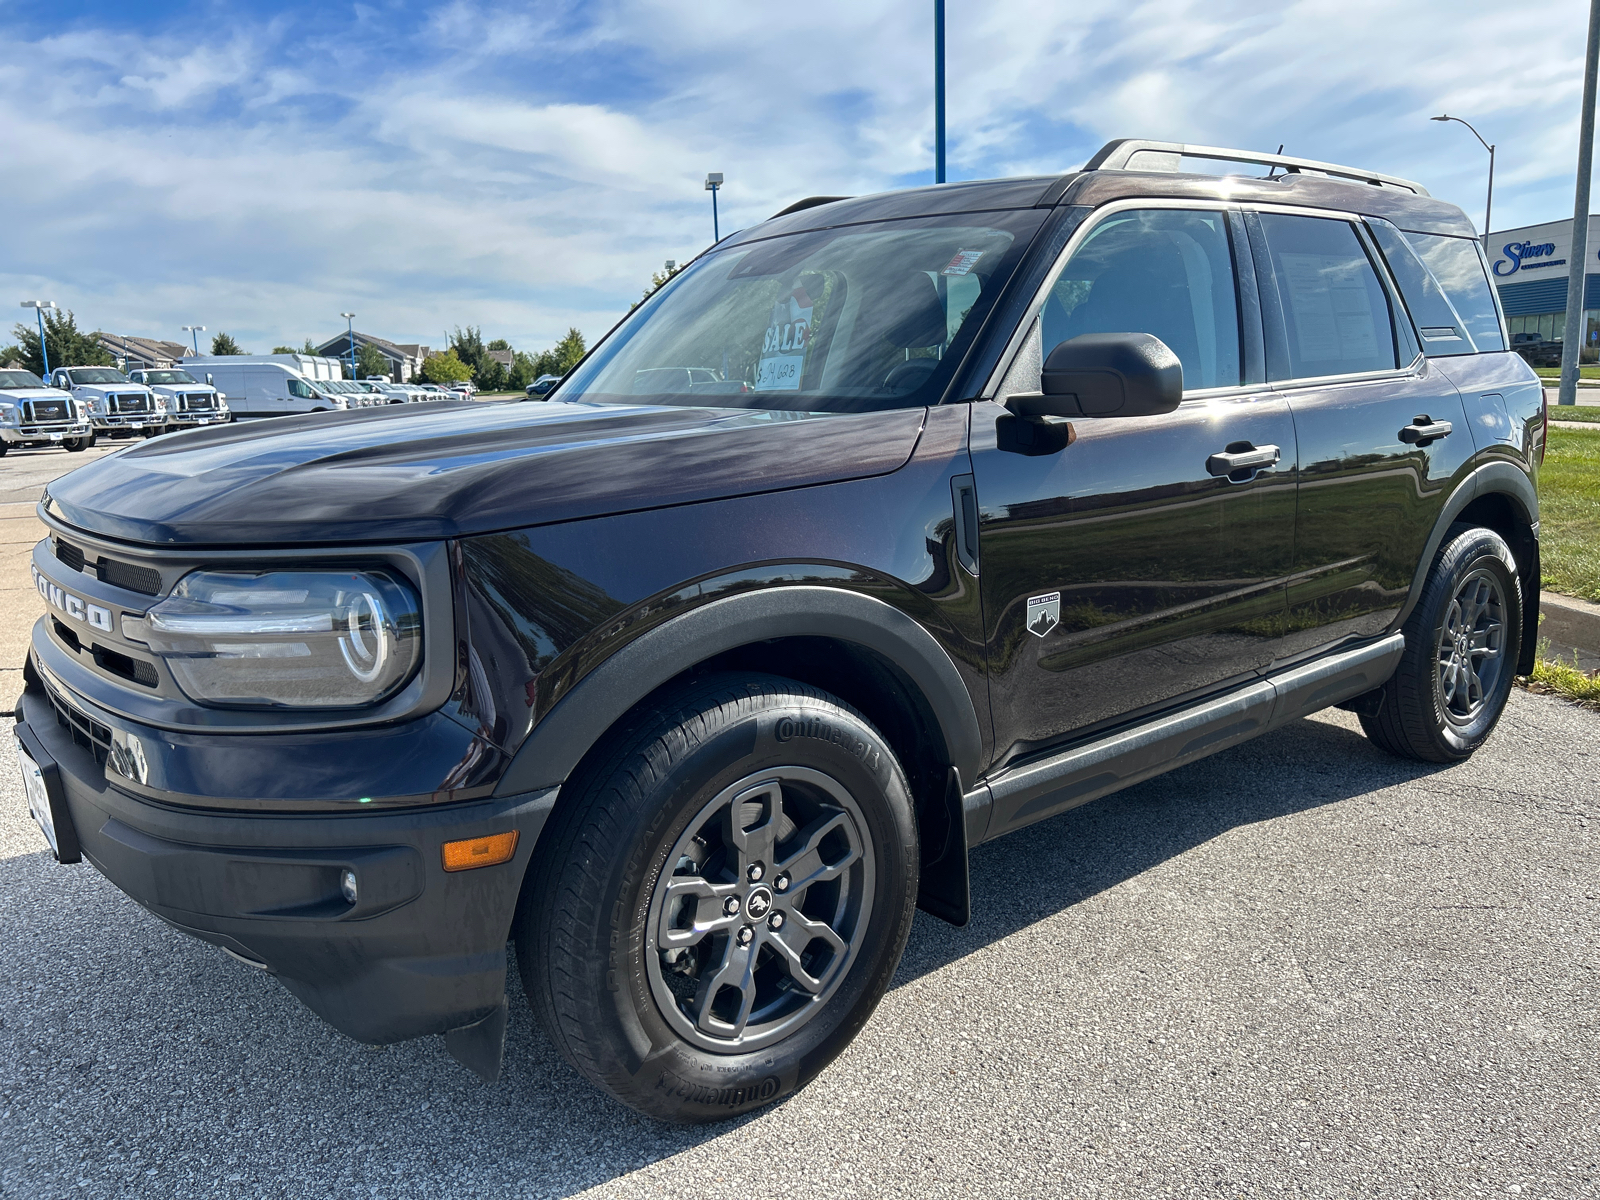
(299,390)
(1159,271)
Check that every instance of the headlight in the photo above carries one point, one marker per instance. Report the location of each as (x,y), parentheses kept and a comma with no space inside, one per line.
(297,639)
(161,403)
(8,414)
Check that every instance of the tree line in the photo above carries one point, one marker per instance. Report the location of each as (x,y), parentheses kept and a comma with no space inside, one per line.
(468,356)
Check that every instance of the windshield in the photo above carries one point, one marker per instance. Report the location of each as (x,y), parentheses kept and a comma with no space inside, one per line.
(10,380)
(96,375)
(845,320)
(169,377)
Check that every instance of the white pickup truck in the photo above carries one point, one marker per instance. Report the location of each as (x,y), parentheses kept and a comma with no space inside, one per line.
(35,414)
(117,406)
(189,402)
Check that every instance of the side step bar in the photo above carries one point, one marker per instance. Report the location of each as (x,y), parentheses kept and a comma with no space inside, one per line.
(1030,793)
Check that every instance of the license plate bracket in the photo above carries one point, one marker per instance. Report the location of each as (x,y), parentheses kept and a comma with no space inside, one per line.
(47,797)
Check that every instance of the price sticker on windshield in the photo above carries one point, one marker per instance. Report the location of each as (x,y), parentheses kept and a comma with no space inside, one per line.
(783,349)
(963,262)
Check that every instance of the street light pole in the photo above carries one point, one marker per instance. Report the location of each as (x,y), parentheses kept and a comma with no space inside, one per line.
(938,91)
(1578,256)
(713,182)
(350,340)
(194,332)
(38,307)
(1488,204)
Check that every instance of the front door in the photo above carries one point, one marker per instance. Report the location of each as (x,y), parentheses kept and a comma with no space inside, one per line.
(1130,569)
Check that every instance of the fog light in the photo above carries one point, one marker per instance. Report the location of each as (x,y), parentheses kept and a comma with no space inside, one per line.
(347,885)
(480,851)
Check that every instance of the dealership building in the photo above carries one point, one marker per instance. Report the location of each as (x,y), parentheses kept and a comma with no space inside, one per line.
(1530,267)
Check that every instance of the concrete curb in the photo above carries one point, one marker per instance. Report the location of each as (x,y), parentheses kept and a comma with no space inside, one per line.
(1570,624)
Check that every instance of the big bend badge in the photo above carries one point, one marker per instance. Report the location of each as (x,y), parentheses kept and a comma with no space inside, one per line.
(1044,613)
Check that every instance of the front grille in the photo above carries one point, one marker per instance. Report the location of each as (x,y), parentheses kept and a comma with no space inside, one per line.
(47,410)
(69,554)
(113,662)
(86,731)
(108,570)
(127,575)
(194,401)
(129,404)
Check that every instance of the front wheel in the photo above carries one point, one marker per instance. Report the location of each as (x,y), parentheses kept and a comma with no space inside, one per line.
(1462,643)
(77,444)
(722,898)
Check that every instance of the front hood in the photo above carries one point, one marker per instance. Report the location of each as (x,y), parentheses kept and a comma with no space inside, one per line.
(18,394)
(422,472)
(175,389)
(111,389)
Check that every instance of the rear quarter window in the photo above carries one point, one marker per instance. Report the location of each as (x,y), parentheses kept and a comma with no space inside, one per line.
(1457,265)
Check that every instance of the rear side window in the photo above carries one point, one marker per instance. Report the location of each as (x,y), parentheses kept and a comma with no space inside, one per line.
(1335,312)
(1458,268)
(1443,330)
(1158,271)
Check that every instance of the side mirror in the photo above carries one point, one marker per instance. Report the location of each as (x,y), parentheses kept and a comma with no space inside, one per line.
(1106,375)
(210,380)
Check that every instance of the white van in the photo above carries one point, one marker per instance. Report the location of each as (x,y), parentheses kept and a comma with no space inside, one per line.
(307,366)
(269,389)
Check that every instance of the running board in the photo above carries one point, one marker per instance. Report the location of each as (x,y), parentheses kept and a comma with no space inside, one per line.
(1042,789)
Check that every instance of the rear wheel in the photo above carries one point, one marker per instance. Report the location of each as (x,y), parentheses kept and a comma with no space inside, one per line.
(1462,642)
(722,898)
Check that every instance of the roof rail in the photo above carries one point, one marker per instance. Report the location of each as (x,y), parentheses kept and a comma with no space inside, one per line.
(802,205)
(1136,154)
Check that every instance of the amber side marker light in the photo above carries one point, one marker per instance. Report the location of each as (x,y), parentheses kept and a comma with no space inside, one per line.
(479,851)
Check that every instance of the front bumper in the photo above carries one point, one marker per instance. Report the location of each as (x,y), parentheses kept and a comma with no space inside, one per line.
(128,422)
(43,432)
(422,950)
(188,420)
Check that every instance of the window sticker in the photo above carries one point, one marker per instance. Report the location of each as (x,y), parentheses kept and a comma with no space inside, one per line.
(783,350)
(1333,315)
(963,262)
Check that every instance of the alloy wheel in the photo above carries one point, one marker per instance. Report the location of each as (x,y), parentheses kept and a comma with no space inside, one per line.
(761,909)
(1471,647)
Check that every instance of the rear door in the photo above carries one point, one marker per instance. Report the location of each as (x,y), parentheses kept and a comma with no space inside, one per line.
(1124,572)
(1381,430)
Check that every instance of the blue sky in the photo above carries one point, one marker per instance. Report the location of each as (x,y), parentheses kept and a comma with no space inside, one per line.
(260,168)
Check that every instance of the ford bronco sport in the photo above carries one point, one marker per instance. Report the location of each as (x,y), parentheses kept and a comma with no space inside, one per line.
(887,527)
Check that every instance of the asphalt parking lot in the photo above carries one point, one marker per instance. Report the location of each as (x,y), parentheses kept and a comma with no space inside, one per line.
(1298,968)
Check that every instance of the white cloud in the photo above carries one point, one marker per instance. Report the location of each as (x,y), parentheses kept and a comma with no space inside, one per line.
(527,168)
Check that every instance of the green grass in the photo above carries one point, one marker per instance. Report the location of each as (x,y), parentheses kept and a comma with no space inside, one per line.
(1553,677)
(1569,513)
(1555,372)
(1575,412)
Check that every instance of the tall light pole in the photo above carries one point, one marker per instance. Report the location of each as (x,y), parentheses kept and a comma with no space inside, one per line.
(350,339)
(38,307)
(1488,204)
(713,182)
(194,332)
(1572,343)
(938,91)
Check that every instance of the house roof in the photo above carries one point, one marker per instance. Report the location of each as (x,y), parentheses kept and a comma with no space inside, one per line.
(150,349)
(394,350)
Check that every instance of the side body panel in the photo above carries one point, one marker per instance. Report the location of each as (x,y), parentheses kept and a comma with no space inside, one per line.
(546,606)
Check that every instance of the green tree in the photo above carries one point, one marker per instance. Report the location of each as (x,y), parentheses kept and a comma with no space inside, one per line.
(499,344)
(68,345)
(657,279)
(468,345)
(523,371)
(284,350)
(309,348)
(563,357)
(445,369)
(490,375)
(223,344)
(10,355)
(370,361)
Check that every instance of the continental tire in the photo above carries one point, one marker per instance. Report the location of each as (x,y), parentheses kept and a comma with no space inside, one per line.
(1462,642)
(721,898)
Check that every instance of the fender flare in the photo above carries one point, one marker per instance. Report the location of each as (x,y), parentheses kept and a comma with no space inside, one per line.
(606,693)
(1495,477)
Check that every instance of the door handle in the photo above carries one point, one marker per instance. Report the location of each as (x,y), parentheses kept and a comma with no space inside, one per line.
(1425,429)
(1241,460)
(964,494)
